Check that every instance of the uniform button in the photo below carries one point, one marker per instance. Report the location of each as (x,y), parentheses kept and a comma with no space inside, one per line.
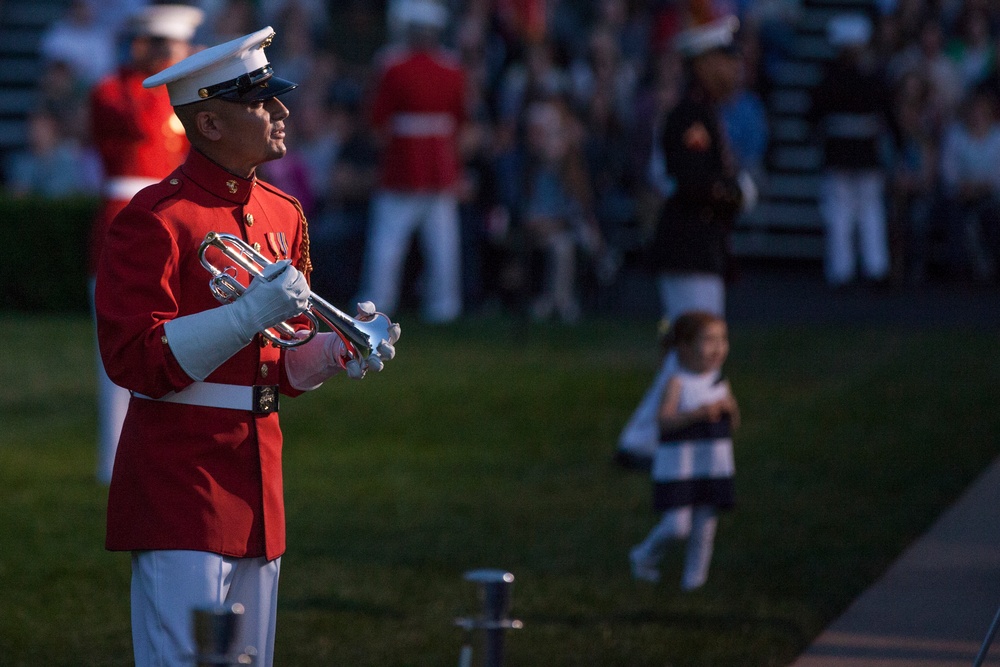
(263,370)
(256,246)
(174,181)
(249,218)
(163,339)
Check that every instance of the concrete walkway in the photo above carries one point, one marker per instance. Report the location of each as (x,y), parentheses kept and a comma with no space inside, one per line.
(934,606)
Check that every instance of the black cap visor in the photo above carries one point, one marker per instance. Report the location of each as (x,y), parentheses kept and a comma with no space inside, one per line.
(255,86)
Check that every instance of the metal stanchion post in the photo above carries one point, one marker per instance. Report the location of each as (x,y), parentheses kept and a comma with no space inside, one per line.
(215,629)
(494,594)
(985,648)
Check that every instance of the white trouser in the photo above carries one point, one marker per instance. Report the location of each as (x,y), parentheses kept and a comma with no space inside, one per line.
(682,292)
(853,205)
(112,404)
(395,217)
(167,586)
(697,525)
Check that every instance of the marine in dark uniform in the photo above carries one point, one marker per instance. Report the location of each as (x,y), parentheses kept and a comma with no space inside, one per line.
(690,248)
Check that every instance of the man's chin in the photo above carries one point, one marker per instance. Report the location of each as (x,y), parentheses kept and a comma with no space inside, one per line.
(277,152)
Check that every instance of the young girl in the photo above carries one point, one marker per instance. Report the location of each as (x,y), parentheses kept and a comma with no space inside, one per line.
(693,465)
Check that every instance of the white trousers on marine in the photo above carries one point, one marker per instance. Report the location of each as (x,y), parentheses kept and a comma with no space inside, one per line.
(167,586)
(395,218)
(852,205)
(682,292)
(696,524)
(112,404)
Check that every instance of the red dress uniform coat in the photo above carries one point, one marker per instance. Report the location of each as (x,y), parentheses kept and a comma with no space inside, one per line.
(137,135)
(419,107)
(191,477)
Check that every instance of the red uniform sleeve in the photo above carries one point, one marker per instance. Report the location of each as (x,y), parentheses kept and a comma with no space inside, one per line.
(137,283)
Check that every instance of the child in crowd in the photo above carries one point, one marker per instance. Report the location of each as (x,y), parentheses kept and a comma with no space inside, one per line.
(693,466)
(558,207)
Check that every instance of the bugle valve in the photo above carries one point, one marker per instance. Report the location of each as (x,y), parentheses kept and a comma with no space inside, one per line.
(362,337)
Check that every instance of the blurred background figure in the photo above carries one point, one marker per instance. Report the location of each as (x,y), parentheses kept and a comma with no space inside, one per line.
(65,96)
(971,46)
(690,252)
(969,157)
(82,40)
(913,177)
(337,234)
(54,165)
(557,211)
(228,19)
(418,113)
(925,56)
(744,115)
(140,140)
(849,109)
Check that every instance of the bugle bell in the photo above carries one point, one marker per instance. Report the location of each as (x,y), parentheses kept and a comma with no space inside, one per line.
(362,337)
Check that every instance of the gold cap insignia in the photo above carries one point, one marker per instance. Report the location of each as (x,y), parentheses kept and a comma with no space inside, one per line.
(267,41)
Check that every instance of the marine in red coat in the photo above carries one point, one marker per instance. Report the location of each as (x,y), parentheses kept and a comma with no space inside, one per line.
(137,135)
(175,488)
(418,111)
(196,493)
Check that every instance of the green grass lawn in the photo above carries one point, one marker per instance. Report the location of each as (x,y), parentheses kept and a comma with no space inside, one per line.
(488,444)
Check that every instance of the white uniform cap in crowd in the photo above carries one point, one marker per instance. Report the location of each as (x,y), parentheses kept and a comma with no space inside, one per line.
(237,71)
(719,35)
(167,21)
(427,13)
(849,30)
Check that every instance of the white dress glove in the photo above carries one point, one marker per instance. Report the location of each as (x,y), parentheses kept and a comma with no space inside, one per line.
(203,341)
(385,351)
(283,292)
(309,365)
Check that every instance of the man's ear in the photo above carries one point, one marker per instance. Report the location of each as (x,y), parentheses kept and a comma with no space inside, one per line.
(207,125)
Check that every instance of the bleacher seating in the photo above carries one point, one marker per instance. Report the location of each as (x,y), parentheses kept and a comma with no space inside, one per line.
(22,23)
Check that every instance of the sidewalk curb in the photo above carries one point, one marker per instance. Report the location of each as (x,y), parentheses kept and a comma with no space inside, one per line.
(934,605)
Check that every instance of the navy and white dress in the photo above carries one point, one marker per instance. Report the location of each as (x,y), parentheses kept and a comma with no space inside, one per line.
(694,465)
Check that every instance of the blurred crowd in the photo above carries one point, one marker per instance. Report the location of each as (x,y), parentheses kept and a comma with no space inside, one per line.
(564,96)
(940,64)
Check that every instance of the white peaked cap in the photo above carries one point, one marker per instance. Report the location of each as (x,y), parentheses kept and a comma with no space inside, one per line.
(168,21)
(849,30)
(423,13)
(237,70)
(719,34)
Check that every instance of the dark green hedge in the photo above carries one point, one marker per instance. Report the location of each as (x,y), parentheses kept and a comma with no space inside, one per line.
(45,266)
